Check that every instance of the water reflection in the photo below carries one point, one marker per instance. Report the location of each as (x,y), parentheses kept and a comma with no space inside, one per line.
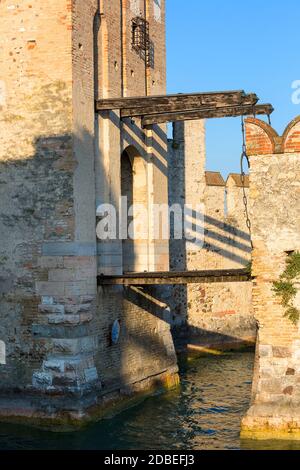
(270,445)
(204,413)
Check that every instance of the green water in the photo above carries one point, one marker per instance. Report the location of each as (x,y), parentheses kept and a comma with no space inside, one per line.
(204,413)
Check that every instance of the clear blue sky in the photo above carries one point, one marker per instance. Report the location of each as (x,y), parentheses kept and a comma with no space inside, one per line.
(230,45)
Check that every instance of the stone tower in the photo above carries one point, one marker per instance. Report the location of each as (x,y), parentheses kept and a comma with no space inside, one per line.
(58,162)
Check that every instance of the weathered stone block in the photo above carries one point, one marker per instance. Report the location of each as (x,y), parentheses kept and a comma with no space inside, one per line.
(64,319)
(75,288)
(50,288)
(54,365)
(281,352)
(47,300)
(91,374)
(265,350)
(41,379)
(63,275)
(75,346)
(51,262)
(54,308)
(73,309)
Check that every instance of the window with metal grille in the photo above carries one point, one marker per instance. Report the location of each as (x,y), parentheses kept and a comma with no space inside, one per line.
(141,42)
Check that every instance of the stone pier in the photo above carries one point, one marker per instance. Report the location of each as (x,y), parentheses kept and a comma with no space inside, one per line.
(275,215)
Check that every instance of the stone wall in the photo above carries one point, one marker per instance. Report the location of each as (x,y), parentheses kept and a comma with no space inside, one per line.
(275,213)
(215,315)
(58,163)
(36,170)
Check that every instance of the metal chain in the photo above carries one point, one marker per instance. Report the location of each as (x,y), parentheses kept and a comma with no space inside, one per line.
(269,120)
(243,176)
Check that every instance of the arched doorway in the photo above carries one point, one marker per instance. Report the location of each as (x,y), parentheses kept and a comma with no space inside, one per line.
(135,205)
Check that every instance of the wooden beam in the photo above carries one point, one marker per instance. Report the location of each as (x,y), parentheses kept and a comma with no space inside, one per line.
(191,105)
(176,278)
(208,113)
(202,99)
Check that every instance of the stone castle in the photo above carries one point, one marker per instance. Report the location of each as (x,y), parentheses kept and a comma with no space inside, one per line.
(72,350)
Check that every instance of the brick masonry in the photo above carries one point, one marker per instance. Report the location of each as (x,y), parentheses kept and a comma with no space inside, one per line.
(274,204)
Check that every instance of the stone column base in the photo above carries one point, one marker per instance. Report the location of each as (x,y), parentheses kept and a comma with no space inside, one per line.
(67,413)
(271,421)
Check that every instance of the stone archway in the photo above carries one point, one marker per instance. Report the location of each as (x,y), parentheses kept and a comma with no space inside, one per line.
(134,188)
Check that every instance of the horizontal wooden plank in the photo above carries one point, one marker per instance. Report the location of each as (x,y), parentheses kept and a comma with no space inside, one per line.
(205,98)
(208,113)
(175,278)
(191,105)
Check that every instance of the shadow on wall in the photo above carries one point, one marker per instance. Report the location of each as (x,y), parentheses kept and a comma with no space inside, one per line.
(36,194)
(231,248)
(230,237)
(155,301)
(146,346)
(37,205)
(220,237)
(135,136)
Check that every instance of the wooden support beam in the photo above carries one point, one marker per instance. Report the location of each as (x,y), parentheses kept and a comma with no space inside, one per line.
(182,107)
(191,104)
(208,113)
(176,278)
(183,99)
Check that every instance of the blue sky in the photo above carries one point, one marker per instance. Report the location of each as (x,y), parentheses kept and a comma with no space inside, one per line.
(230,45)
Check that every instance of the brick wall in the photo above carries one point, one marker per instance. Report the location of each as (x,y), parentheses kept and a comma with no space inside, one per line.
(274,204)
